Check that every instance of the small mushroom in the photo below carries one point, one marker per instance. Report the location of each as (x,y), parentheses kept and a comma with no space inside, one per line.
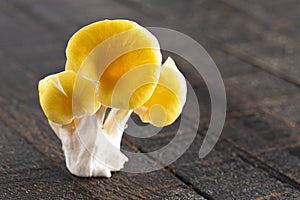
(168,98)
(113,68)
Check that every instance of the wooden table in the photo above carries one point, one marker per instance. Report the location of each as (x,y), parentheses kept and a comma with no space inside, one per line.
(255,45)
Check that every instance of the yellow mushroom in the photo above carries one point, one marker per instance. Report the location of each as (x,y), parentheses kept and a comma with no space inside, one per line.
(168,98)
(74,114)
(116,64)
(61,103)
(109,50)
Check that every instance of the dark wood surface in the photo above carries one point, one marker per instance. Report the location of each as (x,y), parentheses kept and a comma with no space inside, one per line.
(256,46)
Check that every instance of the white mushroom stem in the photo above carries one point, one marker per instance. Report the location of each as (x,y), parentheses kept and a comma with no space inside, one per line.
(91,147)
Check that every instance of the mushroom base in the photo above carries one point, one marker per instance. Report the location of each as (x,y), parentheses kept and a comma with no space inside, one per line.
(91,147)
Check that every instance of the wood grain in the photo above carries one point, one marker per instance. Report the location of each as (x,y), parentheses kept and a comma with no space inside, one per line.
(256,48)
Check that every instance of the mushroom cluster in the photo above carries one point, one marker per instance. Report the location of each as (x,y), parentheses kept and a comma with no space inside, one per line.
(113,68)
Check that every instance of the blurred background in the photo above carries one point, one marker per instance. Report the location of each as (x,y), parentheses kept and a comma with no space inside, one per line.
(256,46)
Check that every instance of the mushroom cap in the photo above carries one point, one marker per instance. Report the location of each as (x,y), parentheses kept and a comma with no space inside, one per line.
(59,101)
(112,52)
(168,98)
(55,92)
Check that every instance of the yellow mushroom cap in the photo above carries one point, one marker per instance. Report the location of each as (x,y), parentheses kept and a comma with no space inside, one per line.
(168,98)
(59,101)
(112,52)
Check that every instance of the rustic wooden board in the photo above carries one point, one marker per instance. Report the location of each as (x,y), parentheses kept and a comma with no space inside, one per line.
(255,47)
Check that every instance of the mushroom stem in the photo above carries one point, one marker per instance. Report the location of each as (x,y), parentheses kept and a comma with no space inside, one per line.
(92,148)
(115,124)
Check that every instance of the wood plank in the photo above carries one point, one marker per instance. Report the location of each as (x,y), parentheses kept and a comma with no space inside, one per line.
(267,139)
(286,106)
(261,88)
(255,43)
